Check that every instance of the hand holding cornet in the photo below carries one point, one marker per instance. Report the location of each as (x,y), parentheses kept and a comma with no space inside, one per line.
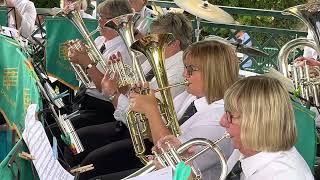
(77,53)
(169,142)
(142,99)
(301,61)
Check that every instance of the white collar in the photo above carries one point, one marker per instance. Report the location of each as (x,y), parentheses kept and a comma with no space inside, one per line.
(201,104)
(252,164)
(113,42)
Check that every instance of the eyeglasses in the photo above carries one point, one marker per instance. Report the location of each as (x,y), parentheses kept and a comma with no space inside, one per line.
(229,117)
(190,69)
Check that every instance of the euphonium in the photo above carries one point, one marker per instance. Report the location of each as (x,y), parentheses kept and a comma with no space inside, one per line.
(152,47)
(172,157)
(309,14)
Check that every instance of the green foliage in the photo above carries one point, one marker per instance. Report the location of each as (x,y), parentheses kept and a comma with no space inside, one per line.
(46,3)
(259,4)
(262,4)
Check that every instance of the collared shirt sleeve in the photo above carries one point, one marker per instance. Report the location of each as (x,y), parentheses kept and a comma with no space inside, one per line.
(120,113)
(28,14)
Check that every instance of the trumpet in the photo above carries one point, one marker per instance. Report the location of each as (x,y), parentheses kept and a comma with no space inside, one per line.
(172,156)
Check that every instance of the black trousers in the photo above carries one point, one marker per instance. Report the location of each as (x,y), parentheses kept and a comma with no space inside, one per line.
(114,157)
(96,136)
(102,110)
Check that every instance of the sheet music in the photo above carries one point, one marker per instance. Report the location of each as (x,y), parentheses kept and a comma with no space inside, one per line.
(11,32)
(39,146)
(162,174)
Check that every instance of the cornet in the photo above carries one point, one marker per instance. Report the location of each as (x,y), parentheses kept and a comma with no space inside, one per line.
(173,156)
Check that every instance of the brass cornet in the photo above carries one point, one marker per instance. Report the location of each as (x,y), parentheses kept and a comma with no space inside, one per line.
(173,156)
(124,25)
(94,54)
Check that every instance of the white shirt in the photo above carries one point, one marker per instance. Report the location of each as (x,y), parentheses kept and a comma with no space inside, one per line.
(85,15)
(204,124)
(112,47)
(28,14)
(284,165)
(142,23)
(310,52)
(174,69)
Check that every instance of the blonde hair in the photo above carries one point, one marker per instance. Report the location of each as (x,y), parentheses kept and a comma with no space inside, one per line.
(219,66)
(114,7)
(177,24)
(267,121)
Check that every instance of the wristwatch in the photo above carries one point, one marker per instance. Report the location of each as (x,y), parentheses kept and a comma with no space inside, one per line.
(112,96)
(89,67)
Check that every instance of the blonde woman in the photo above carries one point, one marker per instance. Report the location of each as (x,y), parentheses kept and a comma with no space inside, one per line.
(259,117)
(211,67)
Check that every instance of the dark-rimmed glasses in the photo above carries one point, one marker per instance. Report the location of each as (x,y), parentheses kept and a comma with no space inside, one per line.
(190,69)
(229,117)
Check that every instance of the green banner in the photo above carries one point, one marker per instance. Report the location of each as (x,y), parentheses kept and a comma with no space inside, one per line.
(12,163)
(59,30)
(3,16)
(306,144)
(17,84)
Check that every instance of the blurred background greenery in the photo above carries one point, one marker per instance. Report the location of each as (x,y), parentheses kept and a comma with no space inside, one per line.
(247,20)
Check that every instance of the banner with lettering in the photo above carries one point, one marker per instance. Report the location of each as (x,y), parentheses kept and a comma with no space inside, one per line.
(18,87)
(60,30)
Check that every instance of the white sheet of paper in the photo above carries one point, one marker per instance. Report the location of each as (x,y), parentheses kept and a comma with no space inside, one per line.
(39,146)
(162,174)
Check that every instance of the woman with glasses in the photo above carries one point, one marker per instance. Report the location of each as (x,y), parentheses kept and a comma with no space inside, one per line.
(211,67)
(260,120)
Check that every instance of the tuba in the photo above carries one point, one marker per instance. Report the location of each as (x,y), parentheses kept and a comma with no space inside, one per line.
(304,81)
(172,157)
(152,47)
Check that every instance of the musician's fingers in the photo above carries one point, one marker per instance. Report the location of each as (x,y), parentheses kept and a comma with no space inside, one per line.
(119,54)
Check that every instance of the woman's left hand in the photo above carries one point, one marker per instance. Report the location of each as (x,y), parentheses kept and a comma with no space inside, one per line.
(174,142)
